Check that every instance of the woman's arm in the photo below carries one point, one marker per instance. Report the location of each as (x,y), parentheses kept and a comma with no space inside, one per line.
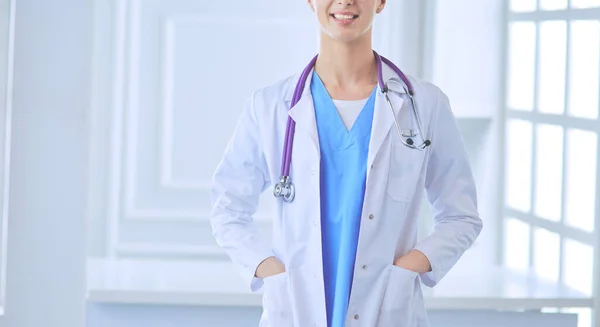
(239,179)
(450,188)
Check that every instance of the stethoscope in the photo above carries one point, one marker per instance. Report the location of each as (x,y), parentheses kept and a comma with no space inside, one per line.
(285,188)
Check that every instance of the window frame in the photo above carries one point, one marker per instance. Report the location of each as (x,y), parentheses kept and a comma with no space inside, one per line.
(535,117)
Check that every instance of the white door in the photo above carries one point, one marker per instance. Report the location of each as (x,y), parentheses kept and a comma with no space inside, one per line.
(43,131)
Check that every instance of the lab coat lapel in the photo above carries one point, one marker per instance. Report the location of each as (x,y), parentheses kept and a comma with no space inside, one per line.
(303,113)
(382,116)
(382,121)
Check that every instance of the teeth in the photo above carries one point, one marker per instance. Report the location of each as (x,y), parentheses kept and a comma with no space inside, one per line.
(341,17)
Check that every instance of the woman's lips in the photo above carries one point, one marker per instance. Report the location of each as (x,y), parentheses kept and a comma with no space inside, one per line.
(344,18)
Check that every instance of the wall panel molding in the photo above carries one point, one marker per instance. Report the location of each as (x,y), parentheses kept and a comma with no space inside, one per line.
(169,32)
(142,49)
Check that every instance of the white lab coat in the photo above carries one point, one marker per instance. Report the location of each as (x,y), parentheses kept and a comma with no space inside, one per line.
(383,295)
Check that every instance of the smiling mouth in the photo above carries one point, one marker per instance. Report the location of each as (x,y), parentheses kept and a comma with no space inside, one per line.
(344,17)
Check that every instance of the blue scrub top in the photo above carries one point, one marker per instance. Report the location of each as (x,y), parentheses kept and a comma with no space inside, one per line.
(343,176)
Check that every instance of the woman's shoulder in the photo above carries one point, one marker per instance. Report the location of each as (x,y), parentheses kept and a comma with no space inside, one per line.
(280,90)
(424,87)
(428,92)
(430,98)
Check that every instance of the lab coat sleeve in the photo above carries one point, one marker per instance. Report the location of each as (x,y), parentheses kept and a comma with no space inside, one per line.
(239,179)
(451,192)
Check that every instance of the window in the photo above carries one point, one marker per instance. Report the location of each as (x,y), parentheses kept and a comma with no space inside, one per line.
(552,125)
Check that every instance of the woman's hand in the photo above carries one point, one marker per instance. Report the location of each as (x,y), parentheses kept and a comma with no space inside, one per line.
(414,260)
(269,267)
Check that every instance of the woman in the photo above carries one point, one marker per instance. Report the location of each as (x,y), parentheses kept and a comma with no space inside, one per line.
(344,251)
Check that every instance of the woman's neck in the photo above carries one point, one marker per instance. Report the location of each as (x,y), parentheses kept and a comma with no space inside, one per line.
(348,70)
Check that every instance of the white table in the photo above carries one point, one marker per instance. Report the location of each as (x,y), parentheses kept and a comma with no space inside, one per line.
(217,284)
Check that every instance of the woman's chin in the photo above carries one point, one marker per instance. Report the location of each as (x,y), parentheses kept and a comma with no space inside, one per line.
(345,36)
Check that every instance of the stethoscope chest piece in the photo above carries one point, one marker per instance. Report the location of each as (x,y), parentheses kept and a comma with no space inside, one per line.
(284,189)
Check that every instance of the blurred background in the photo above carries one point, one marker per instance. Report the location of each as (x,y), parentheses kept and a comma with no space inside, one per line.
(116,112)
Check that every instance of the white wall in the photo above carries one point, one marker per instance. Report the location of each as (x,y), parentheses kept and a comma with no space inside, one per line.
(46,230)
(398,35)
(467,53)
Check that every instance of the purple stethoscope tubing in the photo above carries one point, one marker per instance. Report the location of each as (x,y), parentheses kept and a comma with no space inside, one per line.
(284,188)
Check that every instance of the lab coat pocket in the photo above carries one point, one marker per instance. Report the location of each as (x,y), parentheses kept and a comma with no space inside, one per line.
(404,172)
(276,300)
(401,306)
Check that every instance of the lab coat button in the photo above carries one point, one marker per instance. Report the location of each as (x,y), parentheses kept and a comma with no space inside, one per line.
(364,267)
(371,216)
(356,317)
